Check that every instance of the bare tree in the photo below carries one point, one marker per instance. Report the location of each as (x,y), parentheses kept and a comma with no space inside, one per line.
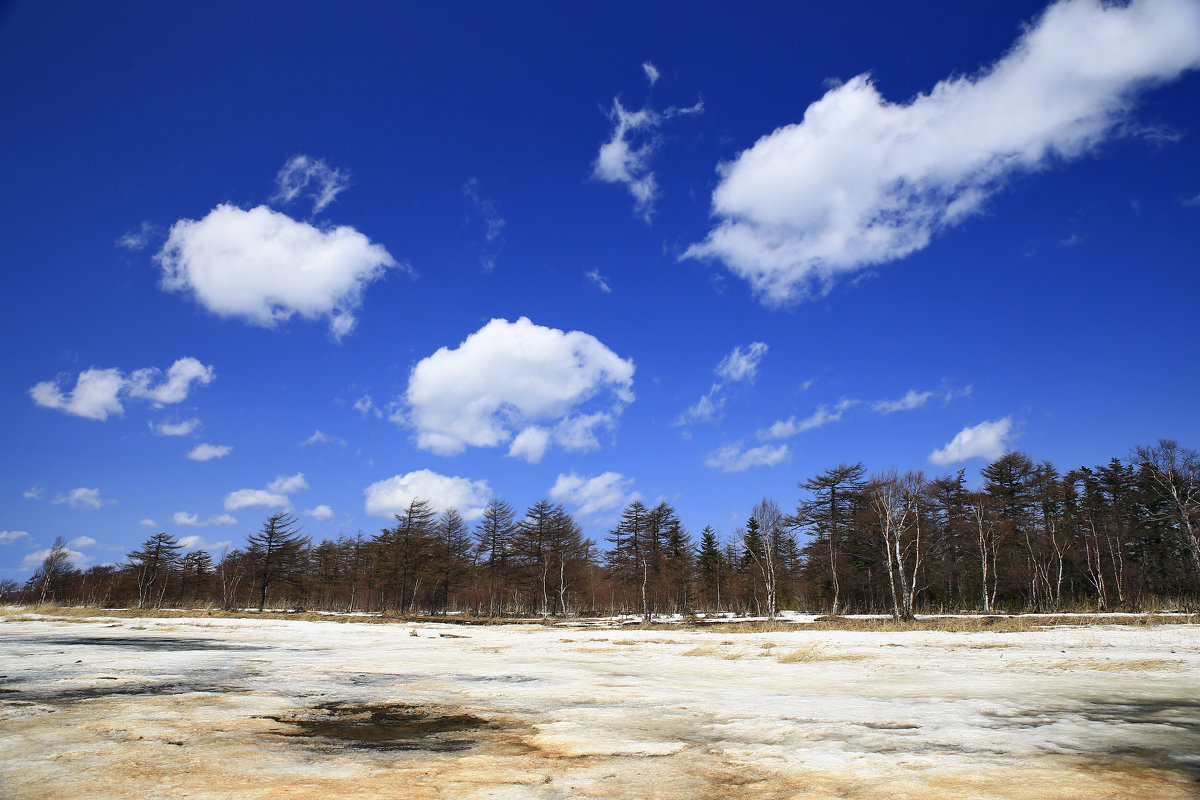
(762,538)
(55,566)
(896,501)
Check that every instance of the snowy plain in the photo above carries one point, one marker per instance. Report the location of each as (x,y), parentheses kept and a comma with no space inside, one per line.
(207,708)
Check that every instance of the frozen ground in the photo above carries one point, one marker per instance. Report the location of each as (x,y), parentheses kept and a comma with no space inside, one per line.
(220,708)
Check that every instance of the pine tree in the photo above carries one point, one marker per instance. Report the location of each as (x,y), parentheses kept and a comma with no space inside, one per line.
(403,550)
(276,554)
(710,564)
(154,564)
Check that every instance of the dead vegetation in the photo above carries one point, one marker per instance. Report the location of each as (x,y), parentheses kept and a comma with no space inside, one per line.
(997,623)
(817,652)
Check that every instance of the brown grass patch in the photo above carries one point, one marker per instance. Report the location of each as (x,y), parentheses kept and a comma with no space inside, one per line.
(816,652)
(702,650)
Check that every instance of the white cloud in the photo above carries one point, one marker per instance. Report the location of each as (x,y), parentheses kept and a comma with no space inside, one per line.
(86,499)
(621,161)
(509,381)
(651,71)
(207,452)
(599,280)
(1191,202)
(193,520)
(320,437)
(8,537)
(198,542)
(138,239)
(911,400)
(707,409)
(264,267)
(98,392)
(274,496)
(33,493)
(742,365)
(286,484)
(149,523)
(95,395)
(255,498)
(593,495)
(493,223)
(176,428)
(735,458)
(861,181)
(320,513)
(312,177)
(81,541)
(392,496)
(824,415)
(366,406)
(530,444)
(175,387)
(988,440)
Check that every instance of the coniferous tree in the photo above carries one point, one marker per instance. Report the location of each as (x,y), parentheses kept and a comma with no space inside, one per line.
(404,550)
(276,554)
(494,542)
(828,515)
(154,565)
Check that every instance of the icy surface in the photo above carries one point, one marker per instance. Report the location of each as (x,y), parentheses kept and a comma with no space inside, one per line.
(258,708)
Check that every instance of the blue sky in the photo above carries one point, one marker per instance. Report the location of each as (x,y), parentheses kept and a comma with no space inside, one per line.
(287,256)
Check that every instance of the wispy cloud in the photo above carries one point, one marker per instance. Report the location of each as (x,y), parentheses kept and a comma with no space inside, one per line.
(598,280)
(193,520)
(625,157)
(736,457)
(207,452)
(84,499)
(740,366)
(304,175)
(320,437)
(483,208)
(141,238)
(792,426)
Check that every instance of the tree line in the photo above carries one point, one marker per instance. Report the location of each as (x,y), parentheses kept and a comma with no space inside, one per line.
(1123,535)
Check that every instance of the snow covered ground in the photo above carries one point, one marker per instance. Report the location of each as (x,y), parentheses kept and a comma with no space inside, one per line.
(215,708)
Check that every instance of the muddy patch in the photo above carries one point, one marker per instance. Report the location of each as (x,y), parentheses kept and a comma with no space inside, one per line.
(142,644)
(385,726)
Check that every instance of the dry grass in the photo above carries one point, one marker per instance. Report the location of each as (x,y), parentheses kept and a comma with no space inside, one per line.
(816,652)
(998,623)
(964,624)
(703,650)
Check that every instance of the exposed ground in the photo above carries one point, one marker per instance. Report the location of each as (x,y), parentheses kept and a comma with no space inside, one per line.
(213,707)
